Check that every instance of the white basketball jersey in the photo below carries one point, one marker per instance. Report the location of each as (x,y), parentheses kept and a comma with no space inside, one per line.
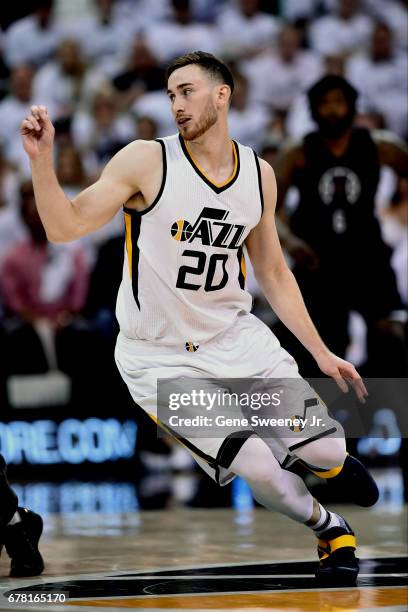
(184,267)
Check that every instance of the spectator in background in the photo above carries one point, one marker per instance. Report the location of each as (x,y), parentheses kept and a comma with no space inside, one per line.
(142,13)
(70,170)
(66,83)
(207,11)
(277,78)
(102,131)
(381,77)
(295,11)
(12,108)
(333,234)
(394,14)
(104,35)
(11,227)
(34,38)
(39,282)
(343,33)
(101,305)
(247,122)
(270,150)
(142,73)
(244,30)
(180,34)
(17,103)
(155,104)
(394,226)
(146,128)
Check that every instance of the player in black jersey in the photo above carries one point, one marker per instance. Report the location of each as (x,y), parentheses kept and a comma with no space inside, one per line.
(20,530)
(341,261)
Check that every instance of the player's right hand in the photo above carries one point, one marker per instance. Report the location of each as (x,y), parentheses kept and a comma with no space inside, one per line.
(37,132)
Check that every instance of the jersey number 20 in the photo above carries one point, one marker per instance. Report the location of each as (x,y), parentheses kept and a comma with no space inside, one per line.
(215,259)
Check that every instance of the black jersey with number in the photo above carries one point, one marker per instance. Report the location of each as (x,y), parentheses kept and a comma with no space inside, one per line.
(335,214)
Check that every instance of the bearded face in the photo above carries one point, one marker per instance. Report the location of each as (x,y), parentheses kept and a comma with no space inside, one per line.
(334,114)
(197,102)
(194,128)
(334,126)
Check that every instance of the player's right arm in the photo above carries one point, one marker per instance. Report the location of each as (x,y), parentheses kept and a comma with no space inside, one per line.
(63,219)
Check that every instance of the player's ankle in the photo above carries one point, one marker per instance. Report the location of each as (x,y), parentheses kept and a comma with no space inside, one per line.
(326,521)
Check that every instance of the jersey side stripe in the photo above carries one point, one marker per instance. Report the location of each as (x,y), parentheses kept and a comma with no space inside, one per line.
(128,239)
(132,233)
(242,267)
(136,223)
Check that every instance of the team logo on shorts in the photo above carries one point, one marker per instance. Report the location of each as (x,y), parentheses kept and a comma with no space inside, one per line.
(299,426)
(192,347)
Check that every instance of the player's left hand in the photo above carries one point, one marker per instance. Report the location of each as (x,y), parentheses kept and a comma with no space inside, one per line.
(342,372)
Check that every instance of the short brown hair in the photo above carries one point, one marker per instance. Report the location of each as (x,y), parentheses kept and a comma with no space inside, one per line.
(208,62)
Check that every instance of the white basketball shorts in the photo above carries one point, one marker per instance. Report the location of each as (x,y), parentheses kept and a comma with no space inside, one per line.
(247,349)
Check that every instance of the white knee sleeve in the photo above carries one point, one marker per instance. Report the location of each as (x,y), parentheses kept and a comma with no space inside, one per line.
(273,487)
(326,453)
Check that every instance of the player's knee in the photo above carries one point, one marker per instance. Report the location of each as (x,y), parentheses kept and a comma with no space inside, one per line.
(327,453)
(254,462)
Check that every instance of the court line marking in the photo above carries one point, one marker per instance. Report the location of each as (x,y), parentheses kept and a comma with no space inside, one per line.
(216,593)
(135,573)
(245,563)
(109,574)
(234,576)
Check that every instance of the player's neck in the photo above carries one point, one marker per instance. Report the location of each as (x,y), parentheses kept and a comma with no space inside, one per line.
(213,149)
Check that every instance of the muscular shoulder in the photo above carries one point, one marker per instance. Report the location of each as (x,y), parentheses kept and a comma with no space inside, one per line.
(136,157)
(135,165)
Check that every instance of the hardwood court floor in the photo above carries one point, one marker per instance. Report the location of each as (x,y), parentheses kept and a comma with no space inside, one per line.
(183,559)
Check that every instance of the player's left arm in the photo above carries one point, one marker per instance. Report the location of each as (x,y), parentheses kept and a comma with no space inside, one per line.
(283,294)
(392,152)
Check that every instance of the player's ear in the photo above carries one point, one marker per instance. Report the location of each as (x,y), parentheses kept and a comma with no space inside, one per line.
(223,94)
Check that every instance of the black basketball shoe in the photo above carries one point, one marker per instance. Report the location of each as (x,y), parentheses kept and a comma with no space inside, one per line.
(21,543)
(355,484)
(338,565)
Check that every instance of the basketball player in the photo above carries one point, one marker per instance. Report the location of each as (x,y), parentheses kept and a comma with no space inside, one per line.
(192,202)
(20,530)
(342,262)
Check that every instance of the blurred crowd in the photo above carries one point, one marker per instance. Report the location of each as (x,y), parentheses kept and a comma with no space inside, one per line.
(99,66)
